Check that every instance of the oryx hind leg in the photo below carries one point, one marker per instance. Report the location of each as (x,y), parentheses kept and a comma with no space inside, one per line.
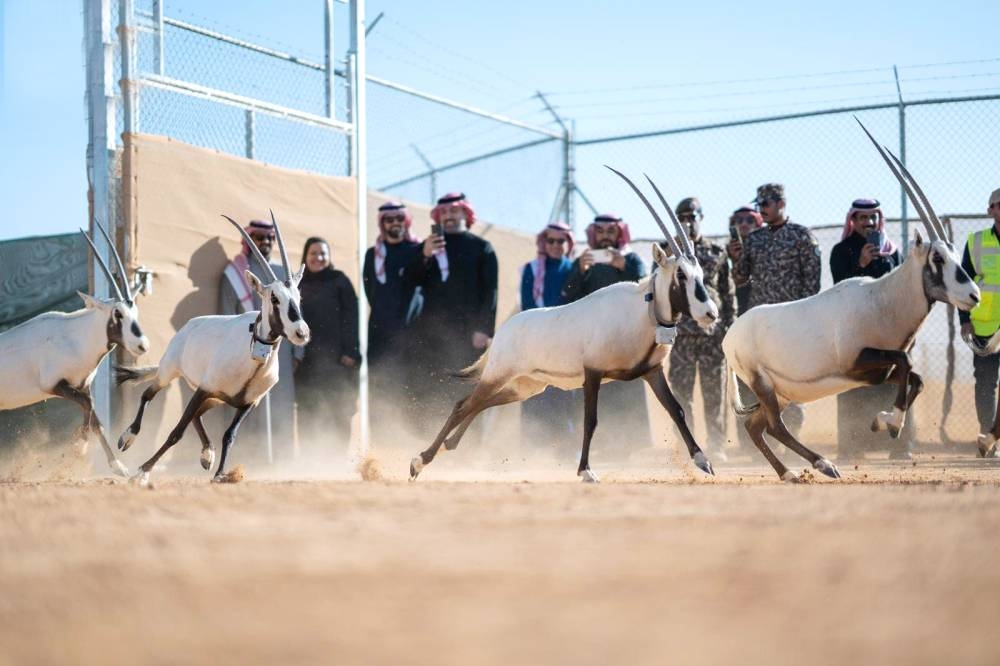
(755,426)
(128,437)
(207,452)
(503,397)
(471,404)
(90,423)
(775,426)
(190,412)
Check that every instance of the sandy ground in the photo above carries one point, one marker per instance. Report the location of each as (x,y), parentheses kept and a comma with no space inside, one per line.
(896,563)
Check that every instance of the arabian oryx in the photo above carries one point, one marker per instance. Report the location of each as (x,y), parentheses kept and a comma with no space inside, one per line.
(226,359)
(858,333)
(620,332)
(57,353)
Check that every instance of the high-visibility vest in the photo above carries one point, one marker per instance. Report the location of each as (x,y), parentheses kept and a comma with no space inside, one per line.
(984,250)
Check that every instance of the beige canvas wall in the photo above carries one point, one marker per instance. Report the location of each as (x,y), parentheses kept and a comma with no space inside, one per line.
(173,198)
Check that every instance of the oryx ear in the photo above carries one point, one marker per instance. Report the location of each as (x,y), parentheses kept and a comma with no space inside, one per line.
(918,241)
(89,301)
(254,282)
(659,255)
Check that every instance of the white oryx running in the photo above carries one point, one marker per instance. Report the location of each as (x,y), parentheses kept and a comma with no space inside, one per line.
(57,353)
(620,332)
(229,359)
(857,333)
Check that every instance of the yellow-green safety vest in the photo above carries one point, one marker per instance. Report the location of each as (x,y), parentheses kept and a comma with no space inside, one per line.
(984,250)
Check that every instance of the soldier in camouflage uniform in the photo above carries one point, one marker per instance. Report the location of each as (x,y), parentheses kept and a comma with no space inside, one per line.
(781,261)
(694,351)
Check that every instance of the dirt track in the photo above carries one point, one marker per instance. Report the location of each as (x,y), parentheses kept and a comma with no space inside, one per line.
(894,564)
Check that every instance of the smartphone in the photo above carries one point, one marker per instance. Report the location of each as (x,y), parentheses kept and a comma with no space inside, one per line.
(437,230)
(602,256)
(734,234)
(875,238)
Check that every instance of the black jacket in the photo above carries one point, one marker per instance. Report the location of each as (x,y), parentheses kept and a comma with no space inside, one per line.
(845,256)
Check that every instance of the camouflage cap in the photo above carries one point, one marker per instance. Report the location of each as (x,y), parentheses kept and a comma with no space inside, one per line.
(689,205)
(770,191)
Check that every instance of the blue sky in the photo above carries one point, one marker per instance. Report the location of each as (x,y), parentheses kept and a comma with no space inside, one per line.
(615,67)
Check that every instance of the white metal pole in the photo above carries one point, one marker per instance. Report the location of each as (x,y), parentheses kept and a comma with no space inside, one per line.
(101,109)
(360,147)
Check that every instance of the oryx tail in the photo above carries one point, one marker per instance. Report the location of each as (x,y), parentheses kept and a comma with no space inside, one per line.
(137,375)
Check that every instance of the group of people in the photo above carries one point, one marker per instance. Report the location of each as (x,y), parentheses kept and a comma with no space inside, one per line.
(434,303)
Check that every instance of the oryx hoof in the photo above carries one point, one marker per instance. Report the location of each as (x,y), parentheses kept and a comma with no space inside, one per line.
(587,476)
(790,477)
(140,479)
(702,463)
(126,440)
(207,458)
(416,465)
(827,467)
(119,468)
(987,445)
(893,432)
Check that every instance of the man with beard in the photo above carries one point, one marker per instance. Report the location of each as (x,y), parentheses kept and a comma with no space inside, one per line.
(236,297)
(456,272)
(389,295)
(608,259)
(696,352)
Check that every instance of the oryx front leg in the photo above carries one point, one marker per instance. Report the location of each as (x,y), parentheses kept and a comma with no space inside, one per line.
(898,369)
(227,441)
(591,389)
(661,389)
(90,423)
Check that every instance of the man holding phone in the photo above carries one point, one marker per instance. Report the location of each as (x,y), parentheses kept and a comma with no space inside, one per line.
(457,273)
(865,251)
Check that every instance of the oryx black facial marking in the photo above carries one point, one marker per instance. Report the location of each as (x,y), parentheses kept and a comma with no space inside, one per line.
(114,328)
(699,291)
(274,321)
(960,275)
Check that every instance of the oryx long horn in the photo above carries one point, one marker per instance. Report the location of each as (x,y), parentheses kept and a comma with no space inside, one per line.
(281,249)
(920,193)
(931,231)
(670,239)
(121,267)
(107,271)
(253,248)
(673,218)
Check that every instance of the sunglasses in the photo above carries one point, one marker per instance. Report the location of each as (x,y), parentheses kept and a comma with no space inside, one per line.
(744,220)
(555,241)
(688,217)
(389,219)
(764,203)
(262,237)
(866,217)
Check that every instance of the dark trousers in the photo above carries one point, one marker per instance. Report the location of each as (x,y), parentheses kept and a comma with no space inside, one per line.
(985,370)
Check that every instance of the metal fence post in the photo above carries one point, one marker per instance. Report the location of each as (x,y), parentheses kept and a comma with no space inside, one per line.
(352,80)
(100,148)
(902,156)
(331,90)
(158,64)
(359,159)
(126,42)
(249,133)
(430,169)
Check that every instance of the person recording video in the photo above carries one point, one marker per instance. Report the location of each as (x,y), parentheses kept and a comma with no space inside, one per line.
(864,248)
